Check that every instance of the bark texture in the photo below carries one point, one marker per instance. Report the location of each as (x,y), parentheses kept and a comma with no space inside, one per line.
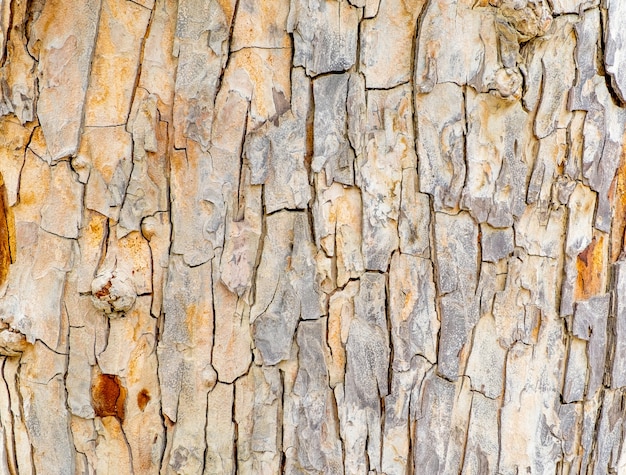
(312,236)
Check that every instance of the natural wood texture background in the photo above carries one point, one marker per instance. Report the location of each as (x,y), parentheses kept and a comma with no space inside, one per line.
(312,236)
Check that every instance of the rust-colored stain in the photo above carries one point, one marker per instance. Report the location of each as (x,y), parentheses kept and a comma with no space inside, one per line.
(108,396)
(143,398)
(104,291)
(589,265)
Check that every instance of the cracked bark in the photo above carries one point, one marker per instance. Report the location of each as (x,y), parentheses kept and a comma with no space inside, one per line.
(364,236)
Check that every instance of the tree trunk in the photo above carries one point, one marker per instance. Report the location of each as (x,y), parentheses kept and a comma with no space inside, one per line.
(312,236)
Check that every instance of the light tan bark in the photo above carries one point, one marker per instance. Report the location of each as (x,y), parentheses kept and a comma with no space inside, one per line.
(297,236)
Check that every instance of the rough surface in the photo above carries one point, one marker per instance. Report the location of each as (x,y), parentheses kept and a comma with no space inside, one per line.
(312,237)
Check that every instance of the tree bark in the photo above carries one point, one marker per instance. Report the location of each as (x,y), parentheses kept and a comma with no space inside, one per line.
(297,236)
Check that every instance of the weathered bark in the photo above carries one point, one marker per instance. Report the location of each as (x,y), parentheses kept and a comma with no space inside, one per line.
(330,236)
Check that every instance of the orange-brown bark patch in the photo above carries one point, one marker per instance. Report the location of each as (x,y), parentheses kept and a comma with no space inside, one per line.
(590,267)
(108,396)
(143,398)
(5,246)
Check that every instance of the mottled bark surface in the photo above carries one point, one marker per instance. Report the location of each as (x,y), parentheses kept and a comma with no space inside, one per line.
(312,236)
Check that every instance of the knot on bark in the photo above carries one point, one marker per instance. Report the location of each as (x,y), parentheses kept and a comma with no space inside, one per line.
(508,84)
(12,341)
(528,18)
(113,293)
